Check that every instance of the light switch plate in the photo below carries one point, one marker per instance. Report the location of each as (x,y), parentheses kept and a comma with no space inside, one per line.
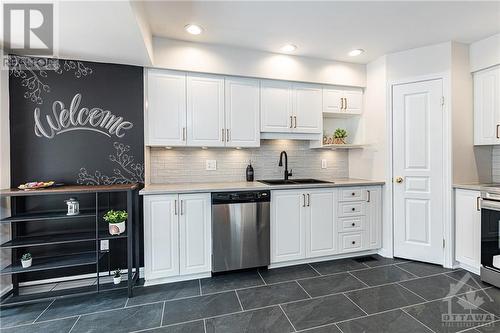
(323,164)
(211,165)
(105,245)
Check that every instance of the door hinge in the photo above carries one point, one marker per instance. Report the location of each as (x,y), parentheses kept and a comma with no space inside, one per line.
(442,100)
(443,243)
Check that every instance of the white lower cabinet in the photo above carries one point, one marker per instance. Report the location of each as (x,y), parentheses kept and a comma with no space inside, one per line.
(468,229)
(177,235)
(312,223)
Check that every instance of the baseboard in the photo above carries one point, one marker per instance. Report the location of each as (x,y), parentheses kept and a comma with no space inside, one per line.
(5,290)
(385,253)
(319,259)
(177,278)
(469,268)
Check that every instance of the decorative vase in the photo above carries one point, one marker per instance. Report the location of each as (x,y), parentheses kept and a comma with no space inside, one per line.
(117,280)
(27,263)
(116,228)
(339,141)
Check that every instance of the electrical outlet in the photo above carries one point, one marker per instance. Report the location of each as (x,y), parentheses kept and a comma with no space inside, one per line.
(211,165)
(323,164)
(105,245)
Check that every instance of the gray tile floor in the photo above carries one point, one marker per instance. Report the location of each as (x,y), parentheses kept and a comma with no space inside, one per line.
(369,294)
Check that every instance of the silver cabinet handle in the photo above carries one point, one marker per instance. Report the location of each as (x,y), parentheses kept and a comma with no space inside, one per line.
(182,211)
(478,204)
(223,133)
(369,195)
(341,103)
(304,197)
(345,98)
(295,118)
(308,200)
(227,135)
(175,207)
(184,134)
(291,122)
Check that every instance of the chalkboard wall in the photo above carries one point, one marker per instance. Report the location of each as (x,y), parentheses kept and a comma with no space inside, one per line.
(74,122)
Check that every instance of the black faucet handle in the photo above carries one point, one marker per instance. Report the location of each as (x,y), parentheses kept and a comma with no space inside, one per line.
(290,172)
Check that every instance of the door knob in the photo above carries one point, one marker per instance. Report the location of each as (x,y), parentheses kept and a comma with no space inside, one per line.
(399,179)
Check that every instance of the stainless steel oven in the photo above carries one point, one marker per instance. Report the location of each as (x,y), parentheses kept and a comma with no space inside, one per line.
(490,238)
(240,230)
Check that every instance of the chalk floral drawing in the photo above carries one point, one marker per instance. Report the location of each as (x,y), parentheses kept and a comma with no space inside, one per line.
(33,72)
(127,171)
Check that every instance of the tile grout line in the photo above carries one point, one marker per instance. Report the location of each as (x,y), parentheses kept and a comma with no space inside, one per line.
(239,301)
(126,303)
(265,283)
(338,327)
(415,275)
(162,314)
(366,313)
(74,324)
(478,307)
(479,287)
(402,286)
(294,329)
(354,276)
(199,283)
(205,325)
(314,269)
(34,321)
(303,289)
(421,323)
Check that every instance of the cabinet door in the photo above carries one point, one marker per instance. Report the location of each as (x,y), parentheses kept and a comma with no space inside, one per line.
(276,106)
(468,228)
(166,108)
(205,110)
(307,109)
(487,107)
(374,217)
(353,101)
(161,236)
(331,101)
(321,229)
(195,233)
(242,112)
(287,226)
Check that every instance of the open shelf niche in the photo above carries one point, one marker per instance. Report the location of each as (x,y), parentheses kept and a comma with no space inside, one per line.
(352,122)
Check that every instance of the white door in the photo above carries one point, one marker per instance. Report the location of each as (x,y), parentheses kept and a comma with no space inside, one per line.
(321,231)
(276,106)
(332,101)
(166,108)
(242,112)
(468,228)
(287,226)
(487,107)
(374,217)
(205,110)
(418,160)
(161,236)
(307,109)
(353,101)
(194,233)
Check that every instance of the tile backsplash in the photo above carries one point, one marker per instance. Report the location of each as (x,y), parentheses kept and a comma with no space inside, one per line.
(181,165)
(495,167)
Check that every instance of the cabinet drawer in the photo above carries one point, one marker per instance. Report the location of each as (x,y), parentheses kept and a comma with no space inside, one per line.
(351,209)
(351,241)
(346,224)
(352,194)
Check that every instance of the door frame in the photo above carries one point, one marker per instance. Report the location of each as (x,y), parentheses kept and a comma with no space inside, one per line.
(448,229)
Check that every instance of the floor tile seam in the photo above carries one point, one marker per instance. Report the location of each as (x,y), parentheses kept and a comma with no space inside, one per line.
(479,307)
(475,287)
(48,306)
(411,291)
(314,269)
(366,313)
(38,322)
(162,313)
(204,325)
(421,323)
(404,270)
(169,325)
(370,267)
(74,324)
(301,287)
(239,301)
(338,327)
(287,318)
(354,276)
(126,303)
(199,283)
(260,275)
(479,326)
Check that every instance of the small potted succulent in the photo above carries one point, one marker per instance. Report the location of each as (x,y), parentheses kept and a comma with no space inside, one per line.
(339,137)
(26,260)
(117,277)
(116,221)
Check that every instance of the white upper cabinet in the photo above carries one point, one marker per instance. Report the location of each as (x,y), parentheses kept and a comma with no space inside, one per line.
(468,229)
(166,108)
(276,106)
(205,110)
(307,104)
(342,102)
(242,112)
(487,107)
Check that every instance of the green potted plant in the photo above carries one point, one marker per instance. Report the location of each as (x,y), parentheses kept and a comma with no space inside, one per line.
(340,135)
(117,277)
(26,260)
(116,221)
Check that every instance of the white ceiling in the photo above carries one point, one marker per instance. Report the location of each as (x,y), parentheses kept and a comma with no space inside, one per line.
(326,30)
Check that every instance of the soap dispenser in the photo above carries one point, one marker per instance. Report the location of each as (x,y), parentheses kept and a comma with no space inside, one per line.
(249,172)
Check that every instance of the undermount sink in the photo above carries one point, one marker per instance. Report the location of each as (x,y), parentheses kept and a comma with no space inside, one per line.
(293,181)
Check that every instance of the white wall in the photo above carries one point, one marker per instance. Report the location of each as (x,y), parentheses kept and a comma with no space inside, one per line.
(198,57)
(485,53)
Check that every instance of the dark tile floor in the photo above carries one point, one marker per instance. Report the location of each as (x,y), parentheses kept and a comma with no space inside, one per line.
(368,294)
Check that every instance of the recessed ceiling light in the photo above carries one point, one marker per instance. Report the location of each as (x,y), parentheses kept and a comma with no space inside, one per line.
(356,52)
(288,48)
(193,29)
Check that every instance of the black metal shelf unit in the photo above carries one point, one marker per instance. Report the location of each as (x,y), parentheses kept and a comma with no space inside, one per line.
(21,214)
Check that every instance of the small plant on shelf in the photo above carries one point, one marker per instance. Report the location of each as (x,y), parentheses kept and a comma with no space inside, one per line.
(116,220)
(26,260)
(117,277)
(340,135)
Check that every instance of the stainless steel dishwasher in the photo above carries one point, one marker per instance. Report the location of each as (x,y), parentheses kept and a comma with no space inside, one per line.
(240,230)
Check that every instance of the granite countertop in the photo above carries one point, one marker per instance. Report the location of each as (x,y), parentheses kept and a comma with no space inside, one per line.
(247,186)
(478,186)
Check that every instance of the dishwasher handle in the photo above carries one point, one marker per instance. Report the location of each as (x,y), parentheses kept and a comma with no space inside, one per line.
(224,198)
